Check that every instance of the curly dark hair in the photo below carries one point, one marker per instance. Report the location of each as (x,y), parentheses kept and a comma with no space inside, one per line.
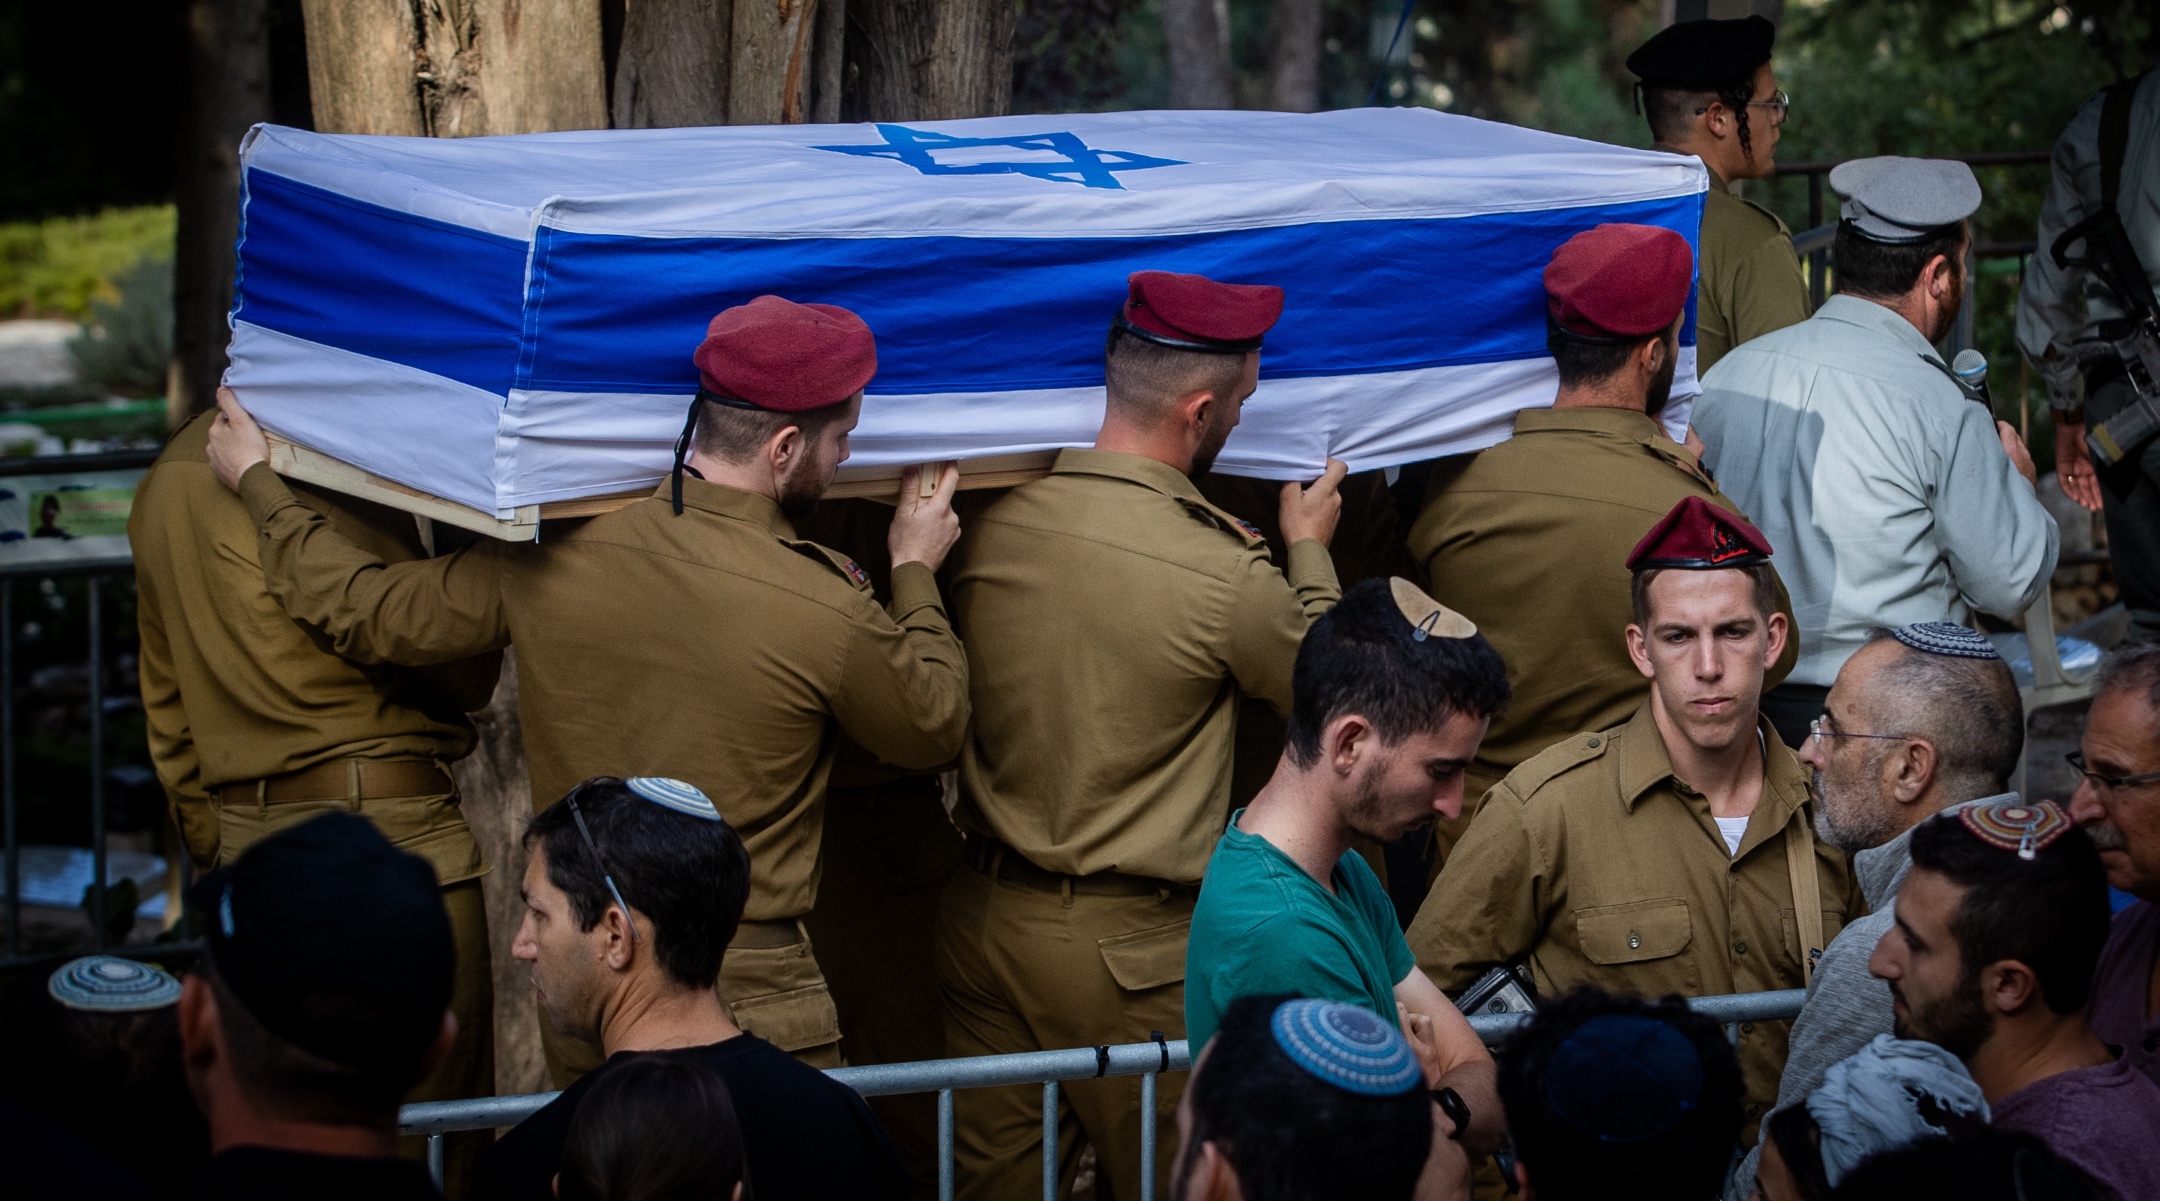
(1685,1163)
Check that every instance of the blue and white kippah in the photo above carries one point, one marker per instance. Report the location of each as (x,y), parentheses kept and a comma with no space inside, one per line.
(674,794)
(1946,638)
(1346,1046)
(105,984)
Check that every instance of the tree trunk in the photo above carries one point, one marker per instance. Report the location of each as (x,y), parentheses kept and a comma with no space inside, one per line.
(497,796)
(928,60)
(673,66)
(455,68)
(1199,50)
(1294,58)
(769,83)
(229,90)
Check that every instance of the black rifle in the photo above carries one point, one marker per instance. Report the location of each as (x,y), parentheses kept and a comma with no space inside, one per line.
(2110,256)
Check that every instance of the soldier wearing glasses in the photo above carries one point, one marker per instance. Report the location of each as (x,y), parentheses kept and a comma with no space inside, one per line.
(1708,90)
(2118,803)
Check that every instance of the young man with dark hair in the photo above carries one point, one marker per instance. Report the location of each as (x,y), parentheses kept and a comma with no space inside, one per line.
(323,998)
(622,665)
(1674,853)
(1298,1099)
(1529,539)
(632,897)
(1891,497)
(1390,695)
(1114,620)
(2118,803)
(1615,1098)
(1708,90)
(1923,719)
(1999,925)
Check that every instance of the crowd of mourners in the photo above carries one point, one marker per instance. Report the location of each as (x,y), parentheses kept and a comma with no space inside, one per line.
(1665,697)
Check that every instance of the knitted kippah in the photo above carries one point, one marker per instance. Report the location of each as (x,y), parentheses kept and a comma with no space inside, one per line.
(1946,638)
(2014,825)
(1346,1046)
(105,984)
(674,794)
(1623,1078)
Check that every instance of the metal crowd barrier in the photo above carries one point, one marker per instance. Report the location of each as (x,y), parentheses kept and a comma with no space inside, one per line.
(1146,1060)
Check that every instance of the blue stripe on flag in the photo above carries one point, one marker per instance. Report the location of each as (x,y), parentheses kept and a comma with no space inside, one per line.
(390,285)
(952,314)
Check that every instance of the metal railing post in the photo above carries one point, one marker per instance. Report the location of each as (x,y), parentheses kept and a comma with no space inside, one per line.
(1050,1140)
(98,866)
(944,1145)
(435,1160)
(7,765)
(1818,261)
(1148,1120)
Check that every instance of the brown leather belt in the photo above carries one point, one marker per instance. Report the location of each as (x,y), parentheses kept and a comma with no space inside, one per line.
(343,780)
(766,936)
(1008,866)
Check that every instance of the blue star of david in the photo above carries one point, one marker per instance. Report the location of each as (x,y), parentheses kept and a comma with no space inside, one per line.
(1083,165)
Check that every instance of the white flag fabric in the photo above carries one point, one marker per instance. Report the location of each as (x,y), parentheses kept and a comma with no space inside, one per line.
(509,321)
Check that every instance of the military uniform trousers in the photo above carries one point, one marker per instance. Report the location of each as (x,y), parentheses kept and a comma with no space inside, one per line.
(888,852)
(430,825)
(1034,961)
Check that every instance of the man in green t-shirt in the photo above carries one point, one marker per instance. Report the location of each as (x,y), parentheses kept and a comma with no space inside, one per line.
(1390,696)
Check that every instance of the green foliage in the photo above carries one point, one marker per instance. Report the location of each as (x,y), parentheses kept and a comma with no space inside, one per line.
(58,266)
(127,344)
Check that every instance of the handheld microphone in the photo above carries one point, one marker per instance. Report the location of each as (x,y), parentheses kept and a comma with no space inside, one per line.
(1971,367)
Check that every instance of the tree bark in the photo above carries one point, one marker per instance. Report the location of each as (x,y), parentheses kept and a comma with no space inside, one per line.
(769,83)
(1199,52)
(229,91)
(455,68)
(673,66)
(928,60)
(1294,56)
(497,796)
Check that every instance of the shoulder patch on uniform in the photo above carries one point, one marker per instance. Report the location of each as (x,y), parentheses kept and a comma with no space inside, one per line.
(832,558)
(1557,760)
(1224,520)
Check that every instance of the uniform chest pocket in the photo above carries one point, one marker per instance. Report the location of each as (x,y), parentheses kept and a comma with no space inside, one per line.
(1634,932)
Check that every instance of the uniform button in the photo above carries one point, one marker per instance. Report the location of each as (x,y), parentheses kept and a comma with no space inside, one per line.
(1593,742)
(1747,1027)
(1634,941)
(1739,948)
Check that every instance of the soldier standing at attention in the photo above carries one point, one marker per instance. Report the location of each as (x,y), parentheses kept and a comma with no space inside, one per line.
(688,635)
(256,725)
(1708,90)
(1527,541)
(1113,619)
(1675,853)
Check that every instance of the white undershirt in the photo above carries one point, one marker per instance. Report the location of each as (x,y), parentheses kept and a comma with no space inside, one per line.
(1734,829)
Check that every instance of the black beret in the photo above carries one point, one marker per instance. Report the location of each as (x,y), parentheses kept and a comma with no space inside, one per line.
(1704,53)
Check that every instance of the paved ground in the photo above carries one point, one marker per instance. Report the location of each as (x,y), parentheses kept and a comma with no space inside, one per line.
(34,354)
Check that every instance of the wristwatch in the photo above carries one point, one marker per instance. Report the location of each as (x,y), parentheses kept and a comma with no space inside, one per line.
(1451,1104)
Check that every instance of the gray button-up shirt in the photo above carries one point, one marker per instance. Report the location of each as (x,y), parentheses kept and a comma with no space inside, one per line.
(1884,491)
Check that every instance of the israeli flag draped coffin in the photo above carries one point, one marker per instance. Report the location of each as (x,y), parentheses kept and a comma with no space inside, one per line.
(509,321)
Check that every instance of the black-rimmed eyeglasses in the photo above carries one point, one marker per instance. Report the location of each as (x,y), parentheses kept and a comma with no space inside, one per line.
(2076,759)
(613,891)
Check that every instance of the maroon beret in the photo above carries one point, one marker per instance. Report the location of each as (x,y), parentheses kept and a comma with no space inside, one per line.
(1619,280)
(1193,312)
(787,357)
(1698,535)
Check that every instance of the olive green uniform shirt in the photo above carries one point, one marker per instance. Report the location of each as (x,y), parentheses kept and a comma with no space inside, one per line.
(1531,540)
(1596,865)
(714,647)
(1750,283)
(234,690)
(1113,619)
